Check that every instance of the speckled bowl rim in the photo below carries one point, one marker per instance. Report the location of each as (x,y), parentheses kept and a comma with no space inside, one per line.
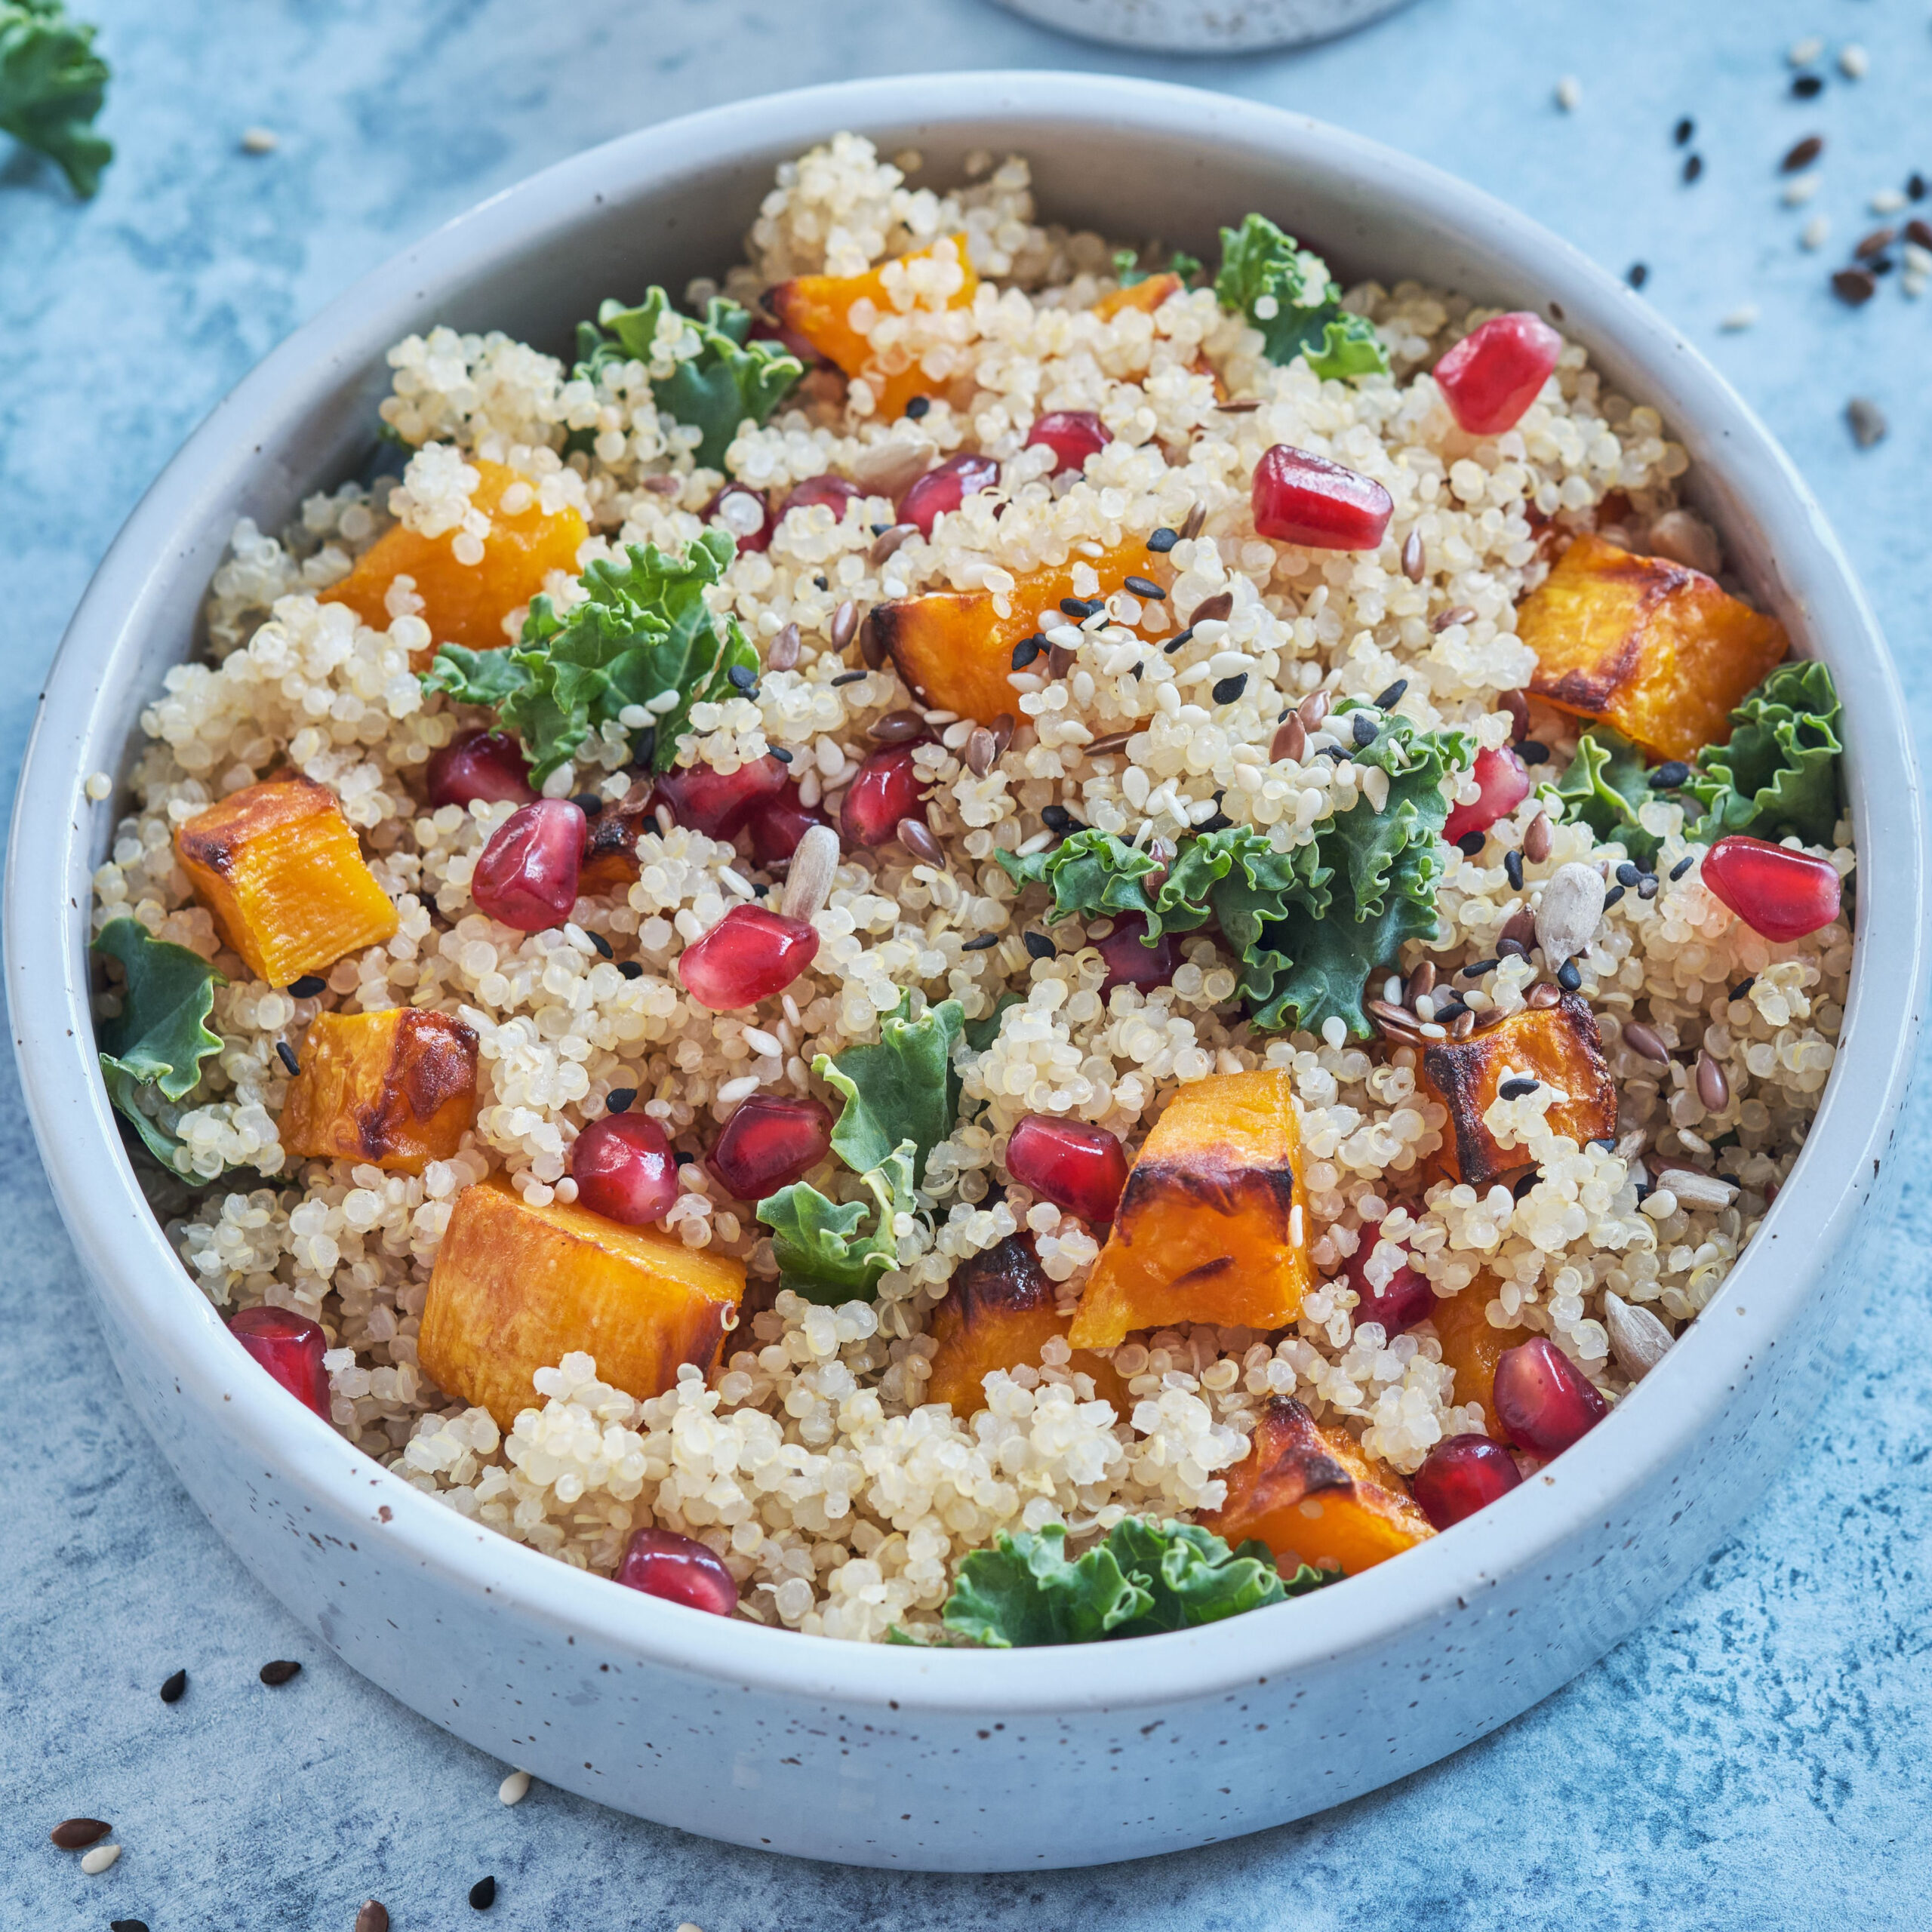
(55,832)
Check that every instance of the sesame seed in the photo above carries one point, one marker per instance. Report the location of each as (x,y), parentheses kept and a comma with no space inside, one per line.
(514,1788)
(1742,987)
(1866,420)
(1802,52)
(1363,729)
(588,803)
(1693,166)
(483,1894)
(1471,843)
(1568,976)
(619,1100)
(602,944)
(307,987)
(1039,946)
(1615,893)
(1569,93)
(1807,86)
(848,678)
(1026,650)
(1637,274)
(1816,232)
(631,969)
(1387,699)
(1742,317)
(173,1686)
(1854,61)
(1227,690)
(1178,641)
(1512,865)
(1802,154)
(917,407)
(984,943)
(1628,875)
(1682,132)
(1162,541)
(97,1861)
(743,676)
(781,754)
(1646,886)
(259,140)
(1515,1089)
(1668,776)
(1682,866)
(1478,969)
(1800,189)
(286,1053)
(1533,751)
(1143,586)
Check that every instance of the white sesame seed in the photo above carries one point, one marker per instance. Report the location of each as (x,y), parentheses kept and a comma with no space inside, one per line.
(1742,317)
(259,140)
(633,717)
(514,1789)
(664,702)
(1816,232)
(760,1041)
(1917,260)
(1802,52)
(97,1860)
(1887,200)
(1569,92)
(736,883)
(1800,190)
(1854,61)
(1038,842)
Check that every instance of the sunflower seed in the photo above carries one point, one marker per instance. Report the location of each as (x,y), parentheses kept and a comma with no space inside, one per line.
(1569,912)
(514,1788)
(97,1861)
(1637,1338)
(808,883)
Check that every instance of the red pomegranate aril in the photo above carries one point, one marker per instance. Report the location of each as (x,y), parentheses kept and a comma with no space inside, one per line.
(1461,1474)
(1072,435)
(489,765)
(769,1143)
(526,875)
(679,1569)
(887,788)
(1542,1400)
(290,1347)
(1492,376)
(1082,1169)
(945,488)
(721,804)
(1505,780)
(749,955)
(745,513)
(1779,893)
(1306,500)
(1405,1299)
(624,1169)
(1130,961)
(834,492)
(776,828)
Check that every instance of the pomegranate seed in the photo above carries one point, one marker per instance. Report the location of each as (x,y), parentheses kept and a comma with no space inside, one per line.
(1461,1474)
(1072,435)
(749,954)
(769,1143)
(489,765)
(1493,374)
(1130,961)
(745,513)
(887,789)
(1307,500)
(680,1570)
(945,488)
(1779,893)
(721,804)
(834,492)
(1404,1299)
(778,826)
(1505,780)
(1543,1399)
(624,1169)
(527,877)
(289,1346)
(761,331)
(1082,1169)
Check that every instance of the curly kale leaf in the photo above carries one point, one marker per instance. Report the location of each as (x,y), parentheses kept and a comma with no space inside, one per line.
(902,1090)
(820,1252)
(1605,786)
(1286,291)
(52,83)
(642,630)
(162,1035)
(1778,777)
(1089,872)
(1129,273)
(980,1034)
(727,381)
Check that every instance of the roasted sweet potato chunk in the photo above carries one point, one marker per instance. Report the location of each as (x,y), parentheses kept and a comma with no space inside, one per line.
(1654,648)
(1557,1044)
(998,1313)
(1472,1347)
(955,651)
(466,604)
(279,866)
(1209,1229)
(610,852)
(819,307)
(396,1089)
(1146,296)
(1306,1490)
(517,1288)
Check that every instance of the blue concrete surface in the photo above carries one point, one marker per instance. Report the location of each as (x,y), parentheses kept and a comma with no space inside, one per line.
(1754,1758)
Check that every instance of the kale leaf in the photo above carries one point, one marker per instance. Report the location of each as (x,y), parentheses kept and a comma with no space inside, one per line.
(981,1033)
(1778,777)
(901,1090)
(162,1035)
(642,630)
(729,381)
(1605,786)
(1129,273)
(1089,872)
(1286,291)
(52,83)
(820,1254)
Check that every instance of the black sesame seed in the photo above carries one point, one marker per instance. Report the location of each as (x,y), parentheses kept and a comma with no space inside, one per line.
(1513,948)
(917,407)
(1914,188)
(880,529)
(1227,690)
(1743,987)
(631,969)
(1668,775)
(1364,729)
(781,754)
(1880,265)
(1607,1142)
(821,582)
(760,891)
(846,678)
(279,1671)
(1693,166)
(1057,818)
(307,987)
(1026,650)
(1533,751)
(618,1100)
(588,803)
(1180,638)
(1520,1188)
(602,945)
(743,676)
(1808,87)
(1162,541)
(1684,129)
(1039,945)
(287,1054)
(682,1159)
(1139,671)
(1637,274)
(1478,969)
(1514,1090)
(1334,751)
(483,1894)
(983,943)
(644,747)
(1646,886)
(1627,874)
(1568,977)
(1078,608)
(1387,700)
(127,1925)
(1142,587)
(1512,864)
(1217,821)
(1471,843)
(1615,893)
(173,1686)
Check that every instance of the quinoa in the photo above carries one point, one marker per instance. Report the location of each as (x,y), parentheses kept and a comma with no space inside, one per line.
(807,1460)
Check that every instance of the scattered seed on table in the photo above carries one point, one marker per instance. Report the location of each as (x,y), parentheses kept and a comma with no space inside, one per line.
(75,1834)
(514,1788)
(1867,421)
(1800,189)
(127,1925)
(1807,86)
(259,140)
(279,1671)
(286,1054)
(1914,188)
(1854,61)
(1693,166)
(1637,274)
(1802,154)
(1876,243)
(97,1861)
(374,1917)
(173,1686)
(483,1894)
(1684,129)
(1802,52)
(1742,317)
(1816,232)
(1569,93)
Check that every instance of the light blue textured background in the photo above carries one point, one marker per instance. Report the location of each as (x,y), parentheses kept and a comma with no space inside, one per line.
(1755,1758)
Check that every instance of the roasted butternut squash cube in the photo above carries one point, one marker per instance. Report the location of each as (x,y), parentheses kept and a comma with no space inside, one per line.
(1472,1346)
(954,648)
(1651,647)
(279,866)
(466,604)
(1558,1045)
(1307,1490)
(1145,296)
(516,1288)
(610,852)
(999,1312)
(395,1089)
(819,307)
(1209,1229)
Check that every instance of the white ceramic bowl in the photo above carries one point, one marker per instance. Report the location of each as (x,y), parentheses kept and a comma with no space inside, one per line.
(889,1756)
(1205,26)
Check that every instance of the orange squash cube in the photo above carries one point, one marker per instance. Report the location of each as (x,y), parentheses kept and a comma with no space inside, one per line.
(1558,1045)
(516,1288)
(279,866)
(610,853)
(1209,1229)
(998,1313)
(466,604)
(1653,647)
(1472,1346)
(1145,296)
(954,649)
(1307,1490)
(395,1089)
(819,307)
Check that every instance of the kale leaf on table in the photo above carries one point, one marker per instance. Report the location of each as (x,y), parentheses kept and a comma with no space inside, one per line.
(52,83)
(161,1035)
(1286,291)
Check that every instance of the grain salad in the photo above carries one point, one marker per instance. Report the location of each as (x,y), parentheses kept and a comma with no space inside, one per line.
(983,937)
